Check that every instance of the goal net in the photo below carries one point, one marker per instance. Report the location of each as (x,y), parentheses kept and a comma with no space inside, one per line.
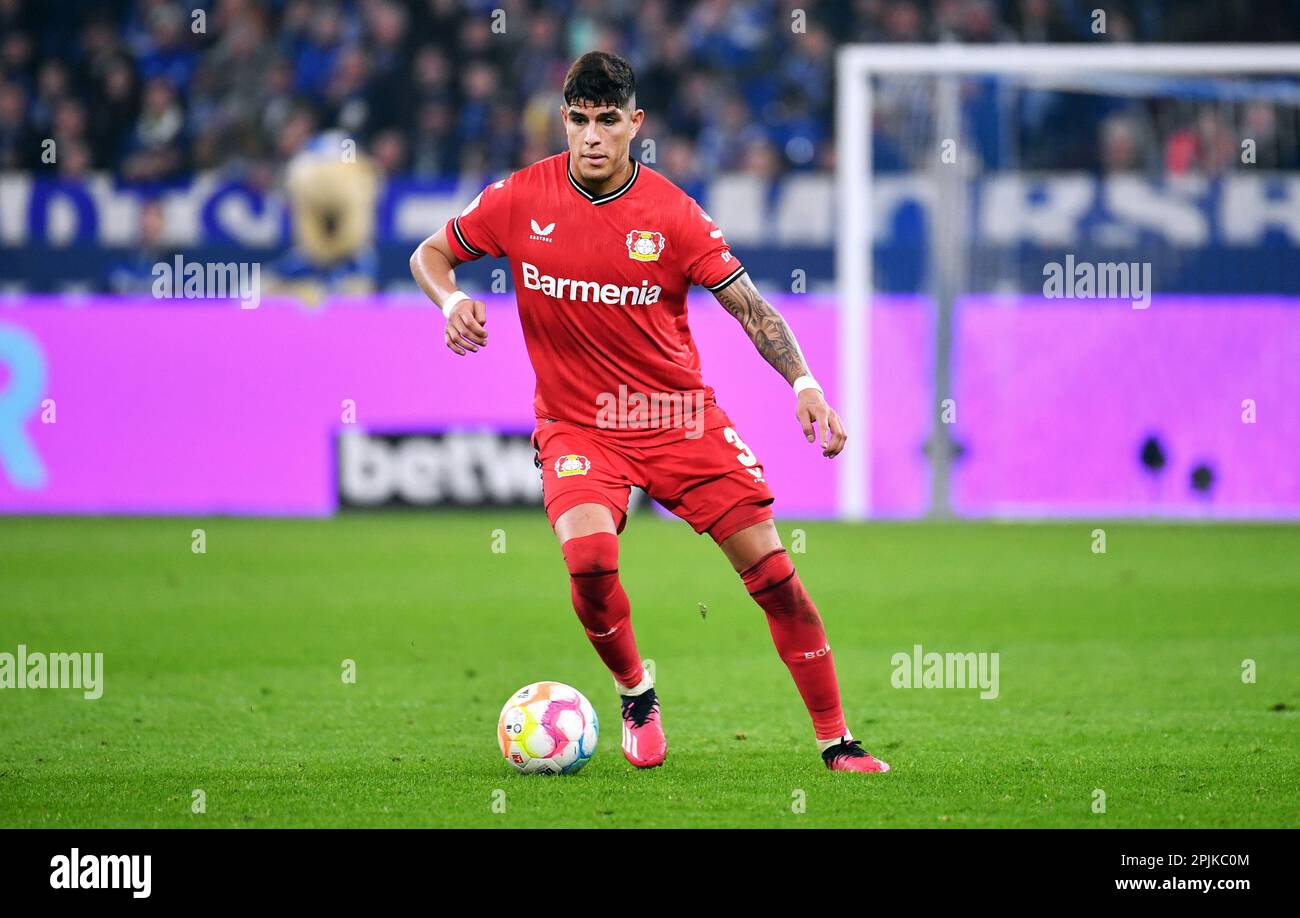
(1067,280)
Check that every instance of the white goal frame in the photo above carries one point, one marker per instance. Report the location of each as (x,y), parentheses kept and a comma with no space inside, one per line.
(856,64)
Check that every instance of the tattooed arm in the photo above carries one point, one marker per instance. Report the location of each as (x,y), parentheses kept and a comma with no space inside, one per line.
(774,340)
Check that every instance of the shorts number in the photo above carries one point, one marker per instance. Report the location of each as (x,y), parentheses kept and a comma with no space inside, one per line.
(746,455)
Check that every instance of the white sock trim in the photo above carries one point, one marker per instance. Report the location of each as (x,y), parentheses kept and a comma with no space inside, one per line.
(824,744)
(647,682)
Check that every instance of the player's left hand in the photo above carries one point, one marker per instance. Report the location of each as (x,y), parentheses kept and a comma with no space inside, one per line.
(817,416)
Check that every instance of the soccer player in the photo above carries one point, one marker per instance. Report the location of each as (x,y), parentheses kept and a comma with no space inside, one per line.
(603,251)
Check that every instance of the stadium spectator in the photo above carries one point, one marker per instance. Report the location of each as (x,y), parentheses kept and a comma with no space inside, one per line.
(1123,144)
(134,273)
(114,110)
(164,52)
(436,149)
(157,145)
(1206,146)
(18,144)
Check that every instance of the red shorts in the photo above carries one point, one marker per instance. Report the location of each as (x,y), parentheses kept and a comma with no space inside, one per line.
(713,481)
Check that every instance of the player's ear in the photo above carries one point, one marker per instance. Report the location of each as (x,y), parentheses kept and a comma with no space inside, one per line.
(638,116)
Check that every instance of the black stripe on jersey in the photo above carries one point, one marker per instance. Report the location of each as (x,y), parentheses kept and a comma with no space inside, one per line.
(611,196)
(460,237)
(730,278)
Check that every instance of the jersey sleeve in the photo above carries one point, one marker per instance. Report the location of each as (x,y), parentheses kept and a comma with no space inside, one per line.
(482,226)
(707,256)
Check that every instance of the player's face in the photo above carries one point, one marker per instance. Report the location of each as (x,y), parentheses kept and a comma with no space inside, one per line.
(599,138)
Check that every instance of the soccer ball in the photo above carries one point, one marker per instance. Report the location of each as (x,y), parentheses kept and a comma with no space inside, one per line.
(547,728)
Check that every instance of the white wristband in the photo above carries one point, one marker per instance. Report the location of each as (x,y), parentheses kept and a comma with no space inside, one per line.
(806,382)
(451,301)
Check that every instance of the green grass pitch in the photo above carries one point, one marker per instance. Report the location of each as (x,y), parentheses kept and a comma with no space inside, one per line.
(1119,672)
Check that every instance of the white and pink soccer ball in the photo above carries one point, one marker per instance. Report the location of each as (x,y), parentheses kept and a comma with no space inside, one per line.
(547,728)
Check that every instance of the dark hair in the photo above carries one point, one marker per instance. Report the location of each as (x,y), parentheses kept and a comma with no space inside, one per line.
(599,78)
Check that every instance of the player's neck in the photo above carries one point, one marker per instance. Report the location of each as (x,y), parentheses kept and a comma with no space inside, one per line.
(613,183)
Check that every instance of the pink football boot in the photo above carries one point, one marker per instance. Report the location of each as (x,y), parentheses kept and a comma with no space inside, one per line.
(644,744)
(850,756)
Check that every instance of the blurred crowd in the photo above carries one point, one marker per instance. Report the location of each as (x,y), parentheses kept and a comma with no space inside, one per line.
(156,90)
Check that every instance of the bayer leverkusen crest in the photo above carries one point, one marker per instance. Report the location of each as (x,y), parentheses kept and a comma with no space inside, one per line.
(644,245)
(572,465)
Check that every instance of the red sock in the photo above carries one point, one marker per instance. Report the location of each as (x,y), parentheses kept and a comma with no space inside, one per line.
(799,637)
(601,603)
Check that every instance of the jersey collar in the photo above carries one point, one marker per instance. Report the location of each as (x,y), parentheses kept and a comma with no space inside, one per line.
(609,196)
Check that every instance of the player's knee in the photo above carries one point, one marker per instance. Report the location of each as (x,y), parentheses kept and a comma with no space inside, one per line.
(592,561)
(774,584)
(770,572)
(591,555)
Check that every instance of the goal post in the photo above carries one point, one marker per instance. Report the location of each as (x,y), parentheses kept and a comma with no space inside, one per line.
(856,66)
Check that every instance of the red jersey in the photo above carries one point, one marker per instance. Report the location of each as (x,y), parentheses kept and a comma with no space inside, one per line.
(601,283)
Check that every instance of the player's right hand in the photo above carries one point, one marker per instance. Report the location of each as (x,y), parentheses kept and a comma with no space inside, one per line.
(465,329)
